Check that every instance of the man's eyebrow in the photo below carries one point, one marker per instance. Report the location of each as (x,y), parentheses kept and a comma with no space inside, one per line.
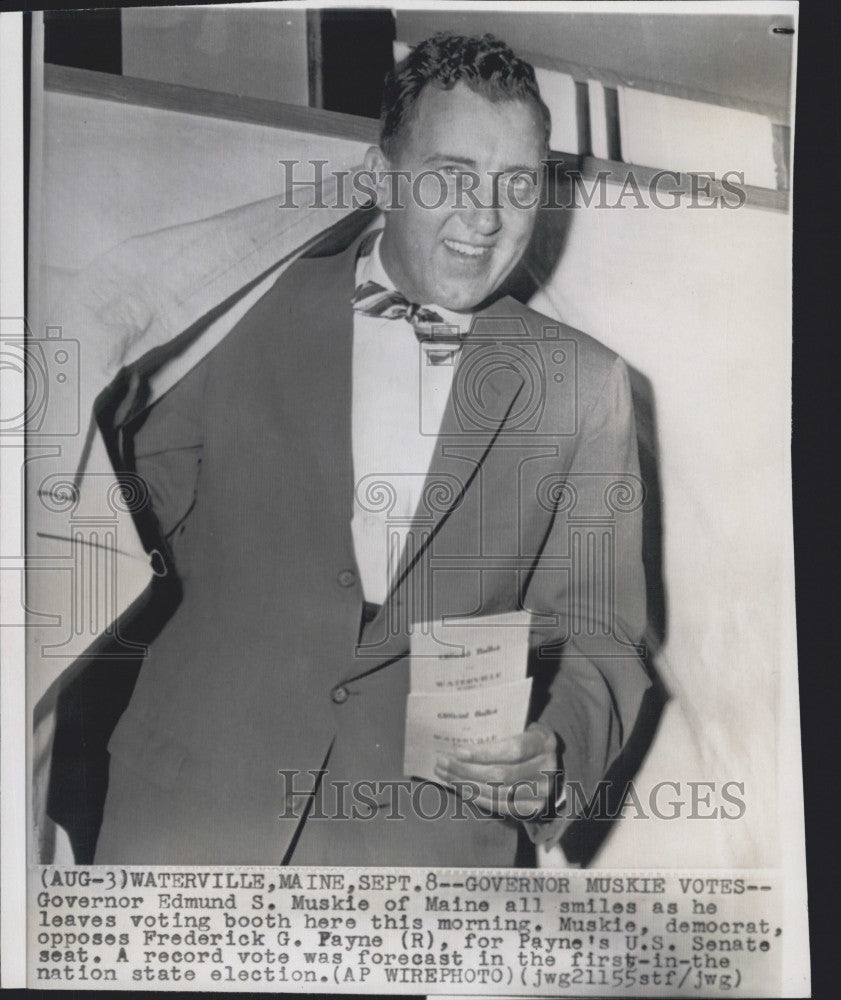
(522,168)
(449,158)
(468,162)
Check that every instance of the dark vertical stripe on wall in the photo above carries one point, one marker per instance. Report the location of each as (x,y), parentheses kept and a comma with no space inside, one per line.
(314,62)
(611,107)
(84,39)
(582,118)
(354,53)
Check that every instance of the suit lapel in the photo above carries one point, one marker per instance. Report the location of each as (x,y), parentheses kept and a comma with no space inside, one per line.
(322,349)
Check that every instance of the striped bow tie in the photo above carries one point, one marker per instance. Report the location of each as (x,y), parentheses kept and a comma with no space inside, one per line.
(371,299)
(441,342)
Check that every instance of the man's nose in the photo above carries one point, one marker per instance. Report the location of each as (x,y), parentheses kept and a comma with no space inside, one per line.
(485,219)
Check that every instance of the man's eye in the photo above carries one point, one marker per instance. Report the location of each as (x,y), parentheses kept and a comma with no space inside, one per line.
(521,182)
(519,188)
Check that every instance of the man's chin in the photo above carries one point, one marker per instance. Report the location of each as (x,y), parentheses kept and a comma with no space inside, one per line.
(465,302)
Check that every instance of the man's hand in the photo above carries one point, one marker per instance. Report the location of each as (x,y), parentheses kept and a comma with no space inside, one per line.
(512,777)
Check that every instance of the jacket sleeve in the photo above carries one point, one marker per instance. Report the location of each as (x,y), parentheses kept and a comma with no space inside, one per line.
(596,691)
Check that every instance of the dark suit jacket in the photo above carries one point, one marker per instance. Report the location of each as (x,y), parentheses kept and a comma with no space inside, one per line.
(532,501)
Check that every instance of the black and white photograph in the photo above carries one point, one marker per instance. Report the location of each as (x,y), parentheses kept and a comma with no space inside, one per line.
(403,526)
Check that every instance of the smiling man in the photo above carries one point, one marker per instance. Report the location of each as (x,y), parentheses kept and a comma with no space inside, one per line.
(386,438)
(458,253)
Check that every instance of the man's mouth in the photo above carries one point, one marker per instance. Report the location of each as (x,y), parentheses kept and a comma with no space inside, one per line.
(466,249)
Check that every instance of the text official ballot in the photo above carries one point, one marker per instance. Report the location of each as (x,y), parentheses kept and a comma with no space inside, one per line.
(468,686)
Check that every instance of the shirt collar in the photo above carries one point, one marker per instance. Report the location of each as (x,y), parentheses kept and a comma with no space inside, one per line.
(370,268)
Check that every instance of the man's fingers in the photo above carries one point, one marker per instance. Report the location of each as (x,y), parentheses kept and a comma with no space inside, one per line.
(516,807)
(510,777)
(511,750)
(523,799)
(498,772)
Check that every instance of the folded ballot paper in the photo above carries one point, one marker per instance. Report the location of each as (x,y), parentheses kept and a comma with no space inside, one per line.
(468,686)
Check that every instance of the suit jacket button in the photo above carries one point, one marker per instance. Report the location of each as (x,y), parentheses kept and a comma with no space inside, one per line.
(346,578)
(339,695)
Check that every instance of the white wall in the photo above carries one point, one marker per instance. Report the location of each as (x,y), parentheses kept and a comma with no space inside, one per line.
(698,302)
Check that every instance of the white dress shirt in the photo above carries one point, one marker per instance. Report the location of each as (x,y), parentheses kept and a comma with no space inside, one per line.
(399,398)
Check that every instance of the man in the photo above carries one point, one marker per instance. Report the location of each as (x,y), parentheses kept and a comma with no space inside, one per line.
(280,680)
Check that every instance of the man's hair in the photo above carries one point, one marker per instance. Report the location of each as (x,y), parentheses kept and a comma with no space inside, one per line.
(486,65)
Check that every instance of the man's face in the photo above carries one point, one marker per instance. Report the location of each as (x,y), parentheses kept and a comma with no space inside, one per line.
(458,254)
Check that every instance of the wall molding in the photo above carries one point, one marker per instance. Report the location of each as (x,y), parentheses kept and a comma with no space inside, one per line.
(275,114)
(208,103)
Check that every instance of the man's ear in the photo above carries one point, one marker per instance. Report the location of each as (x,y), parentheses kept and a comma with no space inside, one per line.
(377,168)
